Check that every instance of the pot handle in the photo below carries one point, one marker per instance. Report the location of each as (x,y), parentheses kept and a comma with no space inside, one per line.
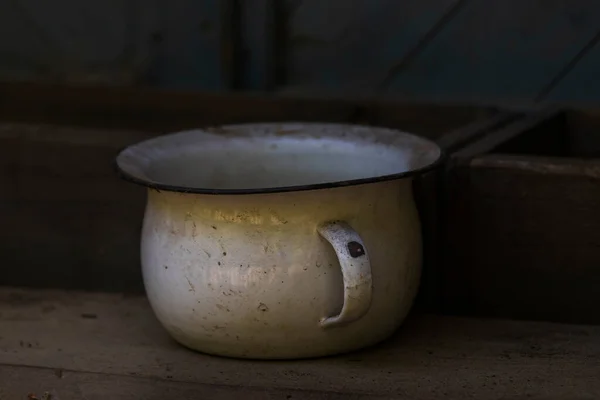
(356,272)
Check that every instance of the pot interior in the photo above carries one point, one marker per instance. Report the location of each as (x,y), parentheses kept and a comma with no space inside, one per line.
(270,156)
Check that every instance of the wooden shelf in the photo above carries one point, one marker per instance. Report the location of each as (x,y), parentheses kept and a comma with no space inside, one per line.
(95,346)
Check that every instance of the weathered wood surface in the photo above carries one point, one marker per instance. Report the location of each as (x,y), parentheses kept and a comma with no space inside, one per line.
(72,221)
(34,383)
(468,49)
(82,343)
(155,44)
(540,130)
(576,84)
(260,35)
(522,228)
(508,49)
(341,45)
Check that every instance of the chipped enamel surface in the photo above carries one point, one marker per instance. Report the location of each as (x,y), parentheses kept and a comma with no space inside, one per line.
(288,274)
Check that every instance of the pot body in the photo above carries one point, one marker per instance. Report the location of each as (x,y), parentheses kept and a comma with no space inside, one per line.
(264,276)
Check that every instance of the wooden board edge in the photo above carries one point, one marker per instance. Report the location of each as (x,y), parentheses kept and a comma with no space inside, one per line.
(559,166)
(493,139)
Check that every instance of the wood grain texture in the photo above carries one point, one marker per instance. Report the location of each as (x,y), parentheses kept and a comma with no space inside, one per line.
(104,339)
(18,382)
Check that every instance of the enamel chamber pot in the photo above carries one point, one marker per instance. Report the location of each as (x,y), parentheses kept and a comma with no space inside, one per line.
(275,241)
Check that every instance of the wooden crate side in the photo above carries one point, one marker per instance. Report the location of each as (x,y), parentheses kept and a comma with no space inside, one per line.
(73,223)
(522,238)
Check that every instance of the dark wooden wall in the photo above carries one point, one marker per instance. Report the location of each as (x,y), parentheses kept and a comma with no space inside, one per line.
(514,51)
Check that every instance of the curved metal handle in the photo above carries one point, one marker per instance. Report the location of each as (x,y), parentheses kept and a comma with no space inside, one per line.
(356,272)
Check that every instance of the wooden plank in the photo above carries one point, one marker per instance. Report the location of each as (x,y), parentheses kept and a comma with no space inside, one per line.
(579,85)
(543,223)
(581,128)
(568,68)
(522,238)
(35,383)
(453,140)
(331,44)
(70,41)
(162,111)
(431,357)
(74,223)
(259,43)
(155,44)
(194,46)
(511,136)
(479,52)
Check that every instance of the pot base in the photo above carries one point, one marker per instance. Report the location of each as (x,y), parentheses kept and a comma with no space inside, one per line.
(297,351)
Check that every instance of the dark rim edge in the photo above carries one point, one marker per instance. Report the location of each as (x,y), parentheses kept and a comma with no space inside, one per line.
(281,189)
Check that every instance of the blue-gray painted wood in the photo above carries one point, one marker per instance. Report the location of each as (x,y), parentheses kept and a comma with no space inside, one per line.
(68,40)
(506,49)
(189,45)
(582,83)
(113,41)
(258,42)
(351,44)
(427,49)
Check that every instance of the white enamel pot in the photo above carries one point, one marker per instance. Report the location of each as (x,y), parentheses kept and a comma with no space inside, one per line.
(280,240)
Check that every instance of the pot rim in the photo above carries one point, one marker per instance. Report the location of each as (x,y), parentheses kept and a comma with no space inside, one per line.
(158,186)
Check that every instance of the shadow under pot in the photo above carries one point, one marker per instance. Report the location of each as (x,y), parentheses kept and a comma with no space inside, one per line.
(275,241)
